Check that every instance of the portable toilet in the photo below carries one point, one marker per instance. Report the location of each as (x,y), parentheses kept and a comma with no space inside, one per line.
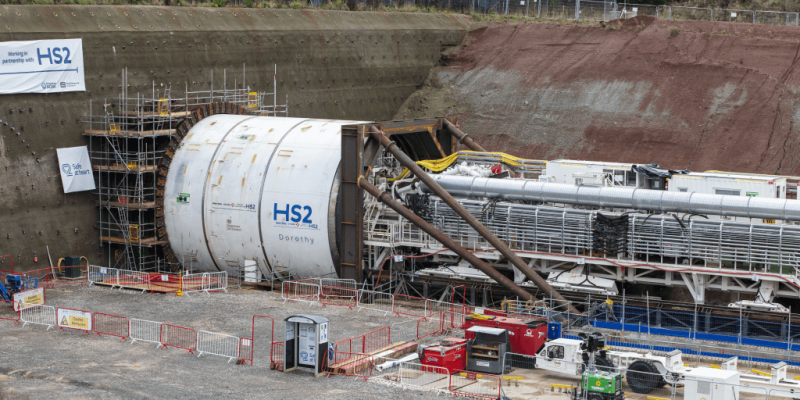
(306,342)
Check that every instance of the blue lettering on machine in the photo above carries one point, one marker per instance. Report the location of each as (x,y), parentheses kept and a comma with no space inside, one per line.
(293,216)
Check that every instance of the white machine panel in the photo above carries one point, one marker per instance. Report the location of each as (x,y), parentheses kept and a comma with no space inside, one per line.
(294,217)
(186,183)
(242,189)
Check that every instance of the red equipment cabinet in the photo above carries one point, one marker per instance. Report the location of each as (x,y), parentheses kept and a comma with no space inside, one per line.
(451,354)
(526,337)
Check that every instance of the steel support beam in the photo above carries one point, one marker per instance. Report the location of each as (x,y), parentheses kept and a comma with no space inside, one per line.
(482,230)
(462,137)
(444,239)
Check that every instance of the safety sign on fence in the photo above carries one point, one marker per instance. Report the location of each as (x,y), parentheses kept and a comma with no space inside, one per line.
(42,66)
(74,319)
(28,298)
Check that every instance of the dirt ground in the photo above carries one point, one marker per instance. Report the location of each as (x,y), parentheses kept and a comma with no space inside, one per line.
(40,364)
(684,94)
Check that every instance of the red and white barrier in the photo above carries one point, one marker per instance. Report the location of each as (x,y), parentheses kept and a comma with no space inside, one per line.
(178,337)
(246,350)
(111,325)
(217,344)
(38,315)
(472,384)
(338,296)
(205,282)
(277,355)
(375,301)
(377,339)
(350,364)
(425,376)
(403,304)
(306,290)
(430,326)
(145,331)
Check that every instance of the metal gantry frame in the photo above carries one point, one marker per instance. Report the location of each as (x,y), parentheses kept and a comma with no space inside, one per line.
(128,139)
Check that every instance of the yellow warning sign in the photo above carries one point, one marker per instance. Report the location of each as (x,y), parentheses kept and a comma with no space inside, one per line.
(33,300)
(28,298)
(74,319)
(79,322)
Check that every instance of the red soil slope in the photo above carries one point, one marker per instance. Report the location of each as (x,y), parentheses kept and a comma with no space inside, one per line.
(713,96)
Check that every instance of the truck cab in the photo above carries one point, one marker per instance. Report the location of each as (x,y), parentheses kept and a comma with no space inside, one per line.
(561,355)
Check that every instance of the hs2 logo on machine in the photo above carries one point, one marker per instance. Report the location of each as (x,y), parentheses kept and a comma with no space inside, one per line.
(294,216)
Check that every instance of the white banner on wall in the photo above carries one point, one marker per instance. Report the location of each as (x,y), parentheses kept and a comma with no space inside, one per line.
(76,169)
(42,66)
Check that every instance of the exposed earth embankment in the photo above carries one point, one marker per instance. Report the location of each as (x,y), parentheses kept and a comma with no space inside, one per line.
(698,95)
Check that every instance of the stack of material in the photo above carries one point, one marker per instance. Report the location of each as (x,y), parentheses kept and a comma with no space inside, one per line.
(359,363)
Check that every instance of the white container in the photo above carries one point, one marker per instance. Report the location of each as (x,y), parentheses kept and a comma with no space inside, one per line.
(594,173)
(728,184)
(256,188)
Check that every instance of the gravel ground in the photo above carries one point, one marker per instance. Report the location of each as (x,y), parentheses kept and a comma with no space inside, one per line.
(40,364)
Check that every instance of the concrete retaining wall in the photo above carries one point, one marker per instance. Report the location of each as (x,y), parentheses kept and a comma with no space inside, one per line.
(333,64)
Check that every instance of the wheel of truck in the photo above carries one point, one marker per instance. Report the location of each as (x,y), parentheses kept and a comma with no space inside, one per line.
(643,377)
(603,364)
(595,396)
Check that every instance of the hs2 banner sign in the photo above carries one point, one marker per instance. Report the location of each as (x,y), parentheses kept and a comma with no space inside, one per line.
(42,66)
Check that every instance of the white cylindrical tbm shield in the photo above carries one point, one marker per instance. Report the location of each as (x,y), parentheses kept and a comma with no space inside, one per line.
(244,189)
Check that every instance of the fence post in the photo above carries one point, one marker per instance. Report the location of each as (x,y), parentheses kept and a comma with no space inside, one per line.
(527,8)
(577,10)
(539,13)
(754,17)
(670,13)
(712,14)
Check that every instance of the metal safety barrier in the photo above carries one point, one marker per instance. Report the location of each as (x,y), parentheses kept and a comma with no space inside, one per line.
(430,326)
(376,301)
(277,356)
(350,364)
(205,282)
(111,325)
(145,331)
(403,304)
(473,384)
(349,345)
(377,339)
(338,296)
(425,376)
(246,350)
(306,290)
(178,337)
(217,344)
(98,274)
(39,315)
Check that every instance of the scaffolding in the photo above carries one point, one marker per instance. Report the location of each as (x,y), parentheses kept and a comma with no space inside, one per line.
(129,137)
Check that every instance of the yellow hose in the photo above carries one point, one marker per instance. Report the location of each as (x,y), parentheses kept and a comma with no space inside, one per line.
(444,163)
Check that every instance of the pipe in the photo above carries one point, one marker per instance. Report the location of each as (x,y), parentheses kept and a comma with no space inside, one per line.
(462,137)
(619,197)
(466,215)
(444,239)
